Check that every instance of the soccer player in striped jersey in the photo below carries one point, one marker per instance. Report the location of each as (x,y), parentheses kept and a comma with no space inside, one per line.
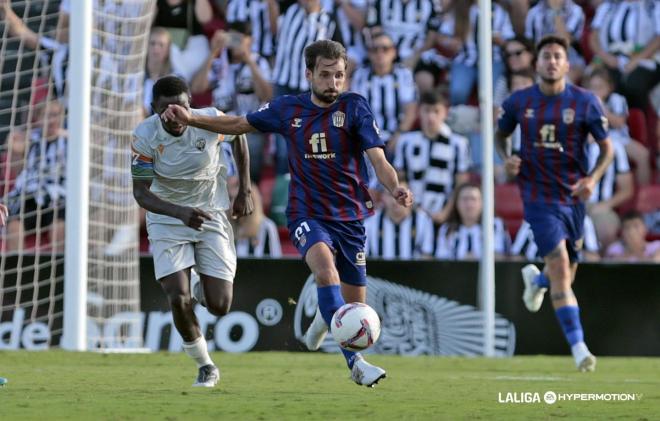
(179,177)
(327,133)
(552,173)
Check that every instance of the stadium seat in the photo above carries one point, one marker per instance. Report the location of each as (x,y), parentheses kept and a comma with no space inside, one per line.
(637,126)
(508,206)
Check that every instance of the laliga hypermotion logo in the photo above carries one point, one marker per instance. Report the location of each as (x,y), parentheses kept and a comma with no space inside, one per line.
(414,322)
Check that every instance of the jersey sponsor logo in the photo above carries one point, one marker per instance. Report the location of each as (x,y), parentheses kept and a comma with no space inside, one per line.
(529,113)
(264,107)
(338,118)
(548,138)
(568,115)
(319,148)
(296,122)
(200,144)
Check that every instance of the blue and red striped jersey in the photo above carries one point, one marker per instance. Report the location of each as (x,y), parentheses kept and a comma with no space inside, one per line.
(326,153)
(554,132)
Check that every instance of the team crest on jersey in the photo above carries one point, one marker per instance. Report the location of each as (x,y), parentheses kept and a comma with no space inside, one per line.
(529,113)
(200,144)
(338,119)
(568,115)
(360,259)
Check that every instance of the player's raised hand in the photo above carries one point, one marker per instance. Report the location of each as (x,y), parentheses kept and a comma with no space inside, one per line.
(583,188)
(512,165)
(194,217)
(3,215)
(243,205)
(177,114)
(403,196)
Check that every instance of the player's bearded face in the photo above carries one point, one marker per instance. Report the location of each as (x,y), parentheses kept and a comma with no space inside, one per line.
(552,63)
(327,80)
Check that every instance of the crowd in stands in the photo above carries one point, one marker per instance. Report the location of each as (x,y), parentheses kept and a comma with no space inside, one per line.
(417,65)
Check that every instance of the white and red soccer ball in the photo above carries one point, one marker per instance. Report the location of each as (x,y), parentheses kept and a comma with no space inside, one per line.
(355,326)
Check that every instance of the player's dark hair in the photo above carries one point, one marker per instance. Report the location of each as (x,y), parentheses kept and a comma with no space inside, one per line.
(241,26)
(551,39)
(169,86)
(434,97)
(454,220)
(527,72)
(630,215)
(324,48)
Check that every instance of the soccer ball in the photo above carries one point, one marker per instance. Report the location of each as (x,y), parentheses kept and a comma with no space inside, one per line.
(355,326)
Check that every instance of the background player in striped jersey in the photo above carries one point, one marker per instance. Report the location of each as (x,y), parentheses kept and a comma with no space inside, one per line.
(327,133)
(179,176)
(556,119)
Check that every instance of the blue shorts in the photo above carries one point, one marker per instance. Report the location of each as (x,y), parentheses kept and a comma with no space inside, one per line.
(552,223)
(346,240)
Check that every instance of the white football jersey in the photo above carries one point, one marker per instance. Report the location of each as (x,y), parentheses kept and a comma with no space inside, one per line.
(188,170)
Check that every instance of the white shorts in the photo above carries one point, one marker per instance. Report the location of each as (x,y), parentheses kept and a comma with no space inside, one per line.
(211,251)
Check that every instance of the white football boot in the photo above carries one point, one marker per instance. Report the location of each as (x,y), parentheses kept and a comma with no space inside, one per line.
(533,295)
(584,359)
(366,374)
(316,332)
(208,376)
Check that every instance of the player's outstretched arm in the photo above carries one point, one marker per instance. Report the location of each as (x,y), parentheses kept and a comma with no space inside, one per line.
(192,217)
(243,204)
(387,176)
(225,124)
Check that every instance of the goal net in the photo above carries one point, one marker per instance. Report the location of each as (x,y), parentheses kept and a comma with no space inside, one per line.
(33,142)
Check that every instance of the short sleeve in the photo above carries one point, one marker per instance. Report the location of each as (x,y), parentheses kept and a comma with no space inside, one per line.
(142,165)
(267,117)
(507,121)
(597,123)
(408,86)
(366,127)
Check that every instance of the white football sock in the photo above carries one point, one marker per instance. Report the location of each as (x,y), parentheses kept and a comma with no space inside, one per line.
(198,352)
(580,352)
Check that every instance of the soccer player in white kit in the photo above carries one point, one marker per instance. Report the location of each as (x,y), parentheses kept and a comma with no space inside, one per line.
(179,177)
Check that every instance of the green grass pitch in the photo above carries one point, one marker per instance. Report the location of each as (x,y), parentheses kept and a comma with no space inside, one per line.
(305,386)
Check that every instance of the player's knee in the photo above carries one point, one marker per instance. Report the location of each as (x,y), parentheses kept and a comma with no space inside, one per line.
(327,276)
(219,307)
(180,302)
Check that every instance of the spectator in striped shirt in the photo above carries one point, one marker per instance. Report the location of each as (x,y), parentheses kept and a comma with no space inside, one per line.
(460,237)
(434,160)
(411,24)
(615,106)
(518,56)
(398,232)
(524,245)
(616,186)
(262,15)
(625,37)
(389,88)
(563,18)
(239,80)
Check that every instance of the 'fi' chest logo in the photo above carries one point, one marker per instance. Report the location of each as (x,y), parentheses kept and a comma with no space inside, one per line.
(200,144)
(338,118)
